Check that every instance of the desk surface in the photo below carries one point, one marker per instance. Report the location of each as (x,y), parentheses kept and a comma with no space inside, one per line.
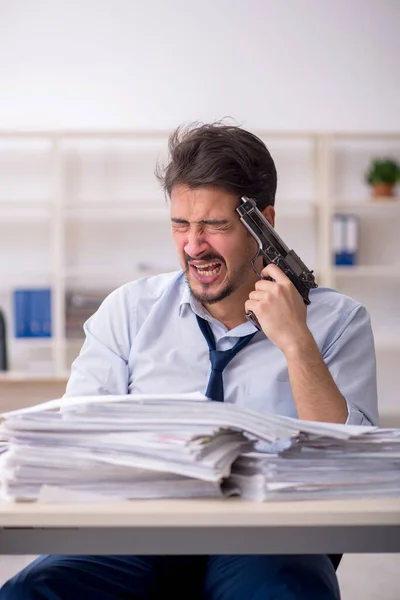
(224,526)
(202,513)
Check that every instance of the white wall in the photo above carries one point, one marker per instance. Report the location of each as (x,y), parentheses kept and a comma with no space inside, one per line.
(272,64)
(129,64)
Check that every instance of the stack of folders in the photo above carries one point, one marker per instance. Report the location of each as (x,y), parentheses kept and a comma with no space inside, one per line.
(183,445)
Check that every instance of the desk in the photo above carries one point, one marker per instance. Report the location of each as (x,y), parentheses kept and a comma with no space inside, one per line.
(201,527)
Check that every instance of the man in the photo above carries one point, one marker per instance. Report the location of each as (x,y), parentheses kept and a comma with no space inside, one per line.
(314,363)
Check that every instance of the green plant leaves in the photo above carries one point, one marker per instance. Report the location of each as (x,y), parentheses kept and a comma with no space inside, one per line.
(384,170)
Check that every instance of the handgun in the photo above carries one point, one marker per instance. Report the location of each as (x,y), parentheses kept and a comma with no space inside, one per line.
(273,250)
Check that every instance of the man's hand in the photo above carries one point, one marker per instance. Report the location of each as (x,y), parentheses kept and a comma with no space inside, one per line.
(280,309)
(282,313)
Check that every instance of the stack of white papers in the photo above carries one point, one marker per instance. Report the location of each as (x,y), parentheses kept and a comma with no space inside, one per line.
(184,445)
(118,447)
(125,447)
(347,462)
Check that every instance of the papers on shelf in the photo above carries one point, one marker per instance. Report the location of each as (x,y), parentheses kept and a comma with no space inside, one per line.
(184,445)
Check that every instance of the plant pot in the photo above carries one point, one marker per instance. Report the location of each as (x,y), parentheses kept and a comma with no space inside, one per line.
(382,190)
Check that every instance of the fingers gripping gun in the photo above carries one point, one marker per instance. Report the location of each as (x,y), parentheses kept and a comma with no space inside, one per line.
(273,250)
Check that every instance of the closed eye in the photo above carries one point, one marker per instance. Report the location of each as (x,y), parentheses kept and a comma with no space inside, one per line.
(218,227)
(179,226)
(210,224)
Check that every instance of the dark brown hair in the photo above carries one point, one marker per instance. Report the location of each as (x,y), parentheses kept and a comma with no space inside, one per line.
(223,156)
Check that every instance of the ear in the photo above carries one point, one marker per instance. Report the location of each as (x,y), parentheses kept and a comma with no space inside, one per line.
(269,214)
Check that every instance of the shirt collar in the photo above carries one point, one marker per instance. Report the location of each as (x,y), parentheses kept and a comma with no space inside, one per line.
(188,302)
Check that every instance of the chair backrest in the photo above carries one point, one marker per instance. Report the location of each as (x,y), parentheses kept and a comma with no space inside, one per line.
(335,560)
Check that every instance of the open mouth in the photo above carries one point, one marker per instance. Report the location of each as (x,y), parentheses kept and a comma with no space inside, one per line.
(206,272)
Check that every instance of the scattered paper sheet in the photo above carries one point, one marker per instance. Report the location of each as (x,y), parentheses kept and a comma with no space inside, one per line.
(71,401)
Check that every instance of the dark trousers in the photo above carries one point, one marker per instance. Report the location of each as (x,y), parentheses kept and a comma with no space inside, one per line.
(221,577)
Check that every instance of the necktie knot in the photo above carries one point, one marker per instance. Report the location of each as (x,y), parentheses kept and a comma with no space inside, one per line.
(219,359)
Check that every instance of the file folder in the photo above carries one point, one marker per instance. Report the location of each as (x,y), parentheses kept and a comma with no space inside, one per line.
(345,239)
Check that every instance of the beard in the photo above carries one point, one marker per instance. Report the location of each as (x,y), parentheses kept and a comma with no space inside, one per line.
(235,280)
(209,297)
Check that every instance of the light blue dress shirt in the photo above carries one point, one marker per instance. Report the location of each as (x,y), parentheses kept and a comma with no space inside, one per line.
(144,338)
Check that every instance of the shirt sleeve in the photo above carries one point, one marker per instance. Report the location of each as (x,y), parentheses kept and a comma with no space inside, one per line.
(102,365)
(351,361)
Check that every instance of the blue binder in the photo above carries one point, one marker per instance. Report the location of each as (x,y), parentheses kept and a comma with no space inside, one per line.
(345,239)
(32,313)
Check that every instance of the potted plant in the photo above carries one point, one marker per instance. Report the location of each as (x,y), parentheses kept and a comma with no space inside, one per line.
(382,175)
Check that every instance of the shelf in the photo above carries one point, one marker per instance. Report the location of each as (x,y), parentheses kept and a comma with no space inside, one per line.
(10,282)
(72,342)
(80,203)
(31,342)
(383,271)
(25,202)
(293,209)
(388,339)
(25,211)
(383,208)
(110,274)
(27,377)
(137,210)
(117,211)
(142,210)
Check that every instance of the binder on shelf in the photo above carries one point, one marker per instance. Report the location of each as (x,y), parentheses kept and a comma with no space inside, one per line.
(32,313)
(21,309)
(3,343)
(345,239)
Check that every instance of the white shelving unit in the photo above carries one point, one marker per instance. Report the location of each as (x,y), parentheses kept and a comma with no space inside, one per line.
(82,211)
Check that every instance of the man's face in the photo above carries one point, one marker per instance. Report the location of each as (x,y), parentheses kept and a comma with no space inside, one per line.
(214,247)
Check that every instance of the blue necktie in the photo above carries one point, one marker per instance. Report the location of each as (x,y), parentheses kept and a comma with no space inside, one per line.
(219,359)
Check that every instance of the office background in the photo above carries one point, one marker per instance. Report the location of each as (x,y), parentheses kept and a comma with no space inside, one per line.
(89,93)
